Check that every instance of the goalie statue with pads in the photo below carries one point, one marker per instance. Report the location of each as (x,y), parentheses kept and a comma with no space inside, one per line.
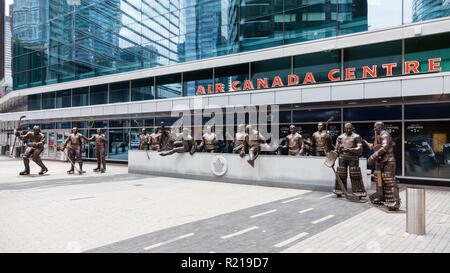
(387,187)
(349,147)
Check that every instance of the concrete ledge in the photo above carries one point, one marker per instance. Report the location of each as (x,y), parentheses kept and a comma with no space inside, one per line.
(270,170)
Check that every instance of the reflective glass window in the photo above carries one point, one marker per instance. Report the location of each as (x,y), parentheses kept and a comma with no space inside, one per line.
(119,123)
(285,116)
(422,49)
(34,102)
(270,69)
(168,86)
(227,75)
(261,32)
(142,89)
(317,115)
(355,58)
(393,112)
(319,64)
(48,100)
(80,96)
(168,121)
(119,92)
(118,144)
(48,126)
(427,111)
(63,125)
(99,94)
(63,98)
(100,124)
(198,79)
(427,149)
(314,20)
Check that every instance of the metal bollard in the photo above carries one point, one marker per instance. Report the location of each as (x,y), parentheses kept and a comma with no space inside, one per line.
(415,211)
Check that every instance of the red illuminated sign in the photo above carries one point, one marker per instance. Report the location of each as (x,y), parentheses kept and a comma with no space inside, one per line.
(411,67)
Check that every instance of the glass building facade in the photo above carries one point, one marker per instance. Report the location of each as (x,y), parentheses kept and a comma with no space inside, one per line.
(57,41)
(61,41)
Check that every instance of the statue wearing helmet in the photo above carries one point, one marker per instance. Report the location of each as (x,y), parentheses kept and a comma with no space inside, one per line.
(387,186)
(349,147)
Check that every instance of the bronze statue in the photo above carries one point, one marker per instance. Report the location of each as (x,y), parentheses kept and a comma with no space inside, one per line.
(349,147)
(100,150)
(253,141)
(75,149)
(294,142)
(321,140)
(144,140)
(209,141)
(35,145)
(165,137)
(385,165)
(155,140)
(183,143)
(239,143)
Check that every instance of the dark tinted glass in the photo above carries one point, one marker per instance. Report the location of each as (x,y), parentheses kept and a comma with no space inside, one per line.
(226,75)
(81,124)
(319,64)
(318,115)
(427,111)
(119,92)
(427,149)
(393,112)
(192,81)
(285,116)
(370,55)
(34,102)
(48,100)
(423,48)
(63,125)
(270,69)
(168,86)
(48,126)
(63,98)
(99,94)
(142,89)
(80,96)
(119,123)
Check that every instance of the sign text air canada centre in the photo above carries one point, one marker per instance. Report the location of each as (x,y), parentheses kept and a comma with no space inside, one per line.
(410,67)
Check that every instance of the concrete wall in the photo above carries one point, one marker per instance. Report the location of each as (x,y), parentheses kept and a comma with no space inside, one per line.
(269,170)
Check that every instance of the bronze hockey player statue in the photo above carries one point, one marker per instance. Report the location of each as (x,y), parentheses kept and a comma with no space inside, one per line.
(75,150)
(239,143)
(253,141)
(321,140)
(35,145)
(349,147)
(165,137)
(100,150)
(209,141)
(144,140)
(294,142)
(155,140)
(184,143)
(385,165)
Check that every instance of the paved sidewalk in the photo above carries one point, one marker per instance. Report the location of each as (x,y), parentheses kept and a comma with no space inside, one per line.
(74,213)
(376,231)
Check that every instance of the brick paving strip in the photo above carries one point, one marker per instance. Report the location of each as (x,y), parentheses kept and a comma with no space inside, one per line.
(376,231)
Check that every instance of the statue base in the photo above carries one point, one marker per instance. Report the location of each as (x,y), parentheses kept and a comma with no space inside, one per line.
(301,172)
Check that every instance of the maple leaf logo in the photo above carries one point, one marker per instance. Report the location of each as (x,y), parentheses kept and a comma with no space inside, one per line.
(218,165)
